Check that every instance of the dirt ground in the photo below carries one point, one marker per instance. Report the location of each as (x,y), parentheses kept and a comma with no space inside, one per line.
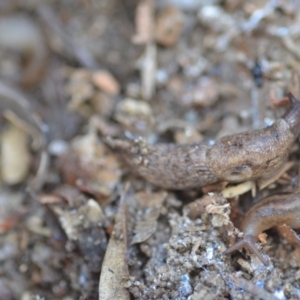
(76,221)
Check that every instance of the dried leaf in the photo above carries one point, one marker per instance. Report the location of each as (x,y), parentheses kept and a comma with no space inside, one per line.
(114,269)
(146,226)
(90,166)
(150,199)
(147,220)
(73,220)
(219,210)
(196,208)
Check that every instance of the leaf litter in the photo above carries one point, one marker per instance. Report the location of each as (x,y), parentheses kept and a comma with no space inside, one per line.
(62,222)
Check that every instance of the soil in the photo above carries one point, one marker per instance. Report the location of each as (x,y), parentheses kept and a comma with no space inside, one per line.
(76,221)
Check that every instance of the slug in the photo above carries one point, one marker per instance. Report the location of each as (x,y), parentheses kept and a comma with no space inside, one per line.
(269,212)
(234,158)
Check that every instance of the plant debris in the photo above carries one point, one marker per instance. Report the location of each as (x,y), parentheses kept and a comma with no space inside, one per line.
(78,76)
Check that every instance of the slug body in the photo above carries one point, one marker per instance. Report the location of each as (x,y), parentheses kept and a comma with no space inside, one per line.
(234,158)
(269,212)
(167,165)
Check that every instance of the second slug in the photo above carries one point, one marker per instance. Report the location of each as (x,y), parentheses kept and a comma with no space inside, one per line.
(269,212)
(234,158)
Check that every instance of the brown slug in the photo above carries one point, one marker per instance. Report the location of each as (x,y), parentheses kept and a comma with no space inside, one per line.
(234,158)
(271,211)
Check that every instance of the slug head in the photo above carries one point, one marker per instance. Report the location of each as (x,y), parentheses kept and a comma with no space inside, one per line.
(229,162)
(251,154)
(292,116)
(238,173)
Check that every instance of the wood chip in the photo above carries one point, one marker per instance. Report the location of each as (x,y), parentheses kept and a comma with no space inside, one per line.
(237,190)
(169,25)
(15,155)
(104,81)
(148,71)
(144,22)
